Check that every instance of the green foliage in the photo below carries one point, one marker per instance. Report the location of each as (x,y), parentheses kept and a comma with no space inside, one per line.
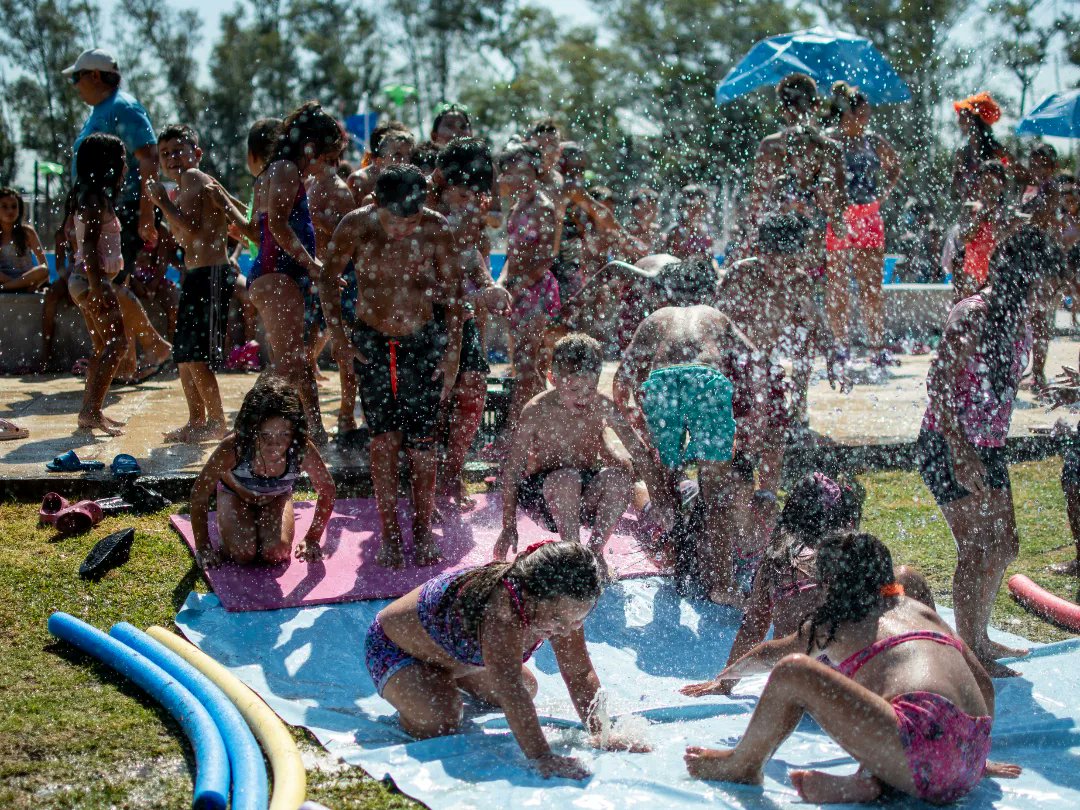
(1023,39)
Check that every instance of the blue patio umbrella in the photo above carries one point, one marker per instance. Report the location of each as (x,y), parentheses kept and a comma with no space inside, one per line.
(827,56)
(1057,114)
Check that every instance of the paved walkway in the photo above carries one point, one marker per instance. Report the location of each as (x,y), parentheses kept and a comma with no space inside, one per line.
(885,413)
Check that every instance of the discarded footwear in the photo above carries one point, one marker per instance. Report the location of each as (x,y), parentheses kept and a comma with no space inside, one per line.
(113,506)
(9,431)
(143,498)
(78,518)
(69,462)
(51,505)
(108,553)
(125,465)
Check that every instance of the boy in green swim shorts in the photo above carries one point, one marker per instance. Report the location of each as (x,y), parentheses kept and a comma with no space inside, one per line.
(683,370)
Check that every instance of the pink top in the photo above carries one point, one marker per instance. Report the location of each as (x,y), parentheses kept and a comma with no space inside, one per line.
(112,260)
(984,416)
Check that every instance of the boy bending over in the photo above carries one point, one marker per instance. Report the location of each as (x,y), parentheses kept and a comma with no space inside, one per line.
(561,469)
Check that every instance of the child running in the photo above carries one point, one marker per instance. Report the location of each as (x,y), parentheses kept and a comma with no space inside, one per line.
(22,259)
(473,631)
(972,386)
(561,469)
(254,472)
(198,221)
(907,700)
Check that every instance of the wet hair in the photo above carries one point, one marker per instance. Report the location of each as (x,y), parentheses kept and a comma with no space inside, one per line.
(994,167)
(689,282)
(1044,151)
(467,162)
(263,137)
(549,571)
(643,194)
(309,124)
(391,129)
(852,568)
(797,93)
(845,98)
(517,152)
(1025,258)
(179,132)
(99,167)
(450,109)
(577,353)
(543,126)
(425,156)
(572,152)
(271,397)
(18,228)
(783,233)
(816,506)
(987,147)
(344,169)
(401,190)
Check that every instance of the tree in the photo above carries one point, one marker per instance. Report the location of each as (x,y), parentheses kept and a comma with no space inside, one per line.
(8,150)
(1024,41)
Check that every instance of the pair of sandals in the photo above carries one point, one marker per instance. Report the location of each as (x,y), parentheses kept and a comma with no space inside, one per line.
(69,518)
(123,466)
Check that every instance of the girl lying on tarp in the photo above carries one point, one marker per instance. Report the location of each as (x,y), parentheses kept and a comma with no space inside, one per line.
(473,630)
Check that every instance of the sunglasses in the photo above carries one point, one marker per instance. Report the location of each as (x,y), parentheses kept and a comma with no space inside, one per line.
(76,77)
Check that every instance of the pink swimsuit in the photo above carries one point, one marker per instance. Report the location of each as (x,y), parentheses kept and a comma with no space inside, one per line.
(946,747)
(542,298)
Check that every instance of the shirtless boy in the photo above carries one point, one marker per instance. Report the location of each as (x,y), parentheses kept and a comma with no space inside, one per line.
(561,468)
(330,199)
(406,342)
(390,144)
(199,224)
(463,182)
(685,367)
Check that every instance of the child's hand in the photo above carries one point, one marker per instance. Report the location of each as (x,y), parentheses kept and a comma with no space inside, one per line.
(1002,770)
(618,742)
(508,539)
(309,551)
(208,557)
(497,300)
(553,766)
(713,687)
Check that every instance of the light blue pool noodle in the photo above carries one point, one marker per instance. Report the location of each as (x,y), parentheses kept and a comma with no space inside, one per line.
(249,783)
(211,759)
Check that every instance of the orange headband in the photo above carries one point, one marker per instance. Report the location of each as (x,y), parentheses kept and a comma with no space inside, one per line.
(892,589)
(981,105)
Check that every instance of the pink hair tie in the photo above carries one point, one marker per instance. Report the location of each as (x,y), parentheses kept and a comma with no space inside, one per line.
(535,546)
(829,489)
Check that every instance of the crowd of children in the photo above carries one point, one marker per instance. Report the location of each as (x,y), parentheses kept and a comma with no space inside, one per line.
(391,265)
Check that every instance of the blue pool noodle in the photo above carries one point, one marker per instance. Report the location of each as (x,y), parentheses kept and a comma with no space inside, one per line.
(249,784)
(211,759)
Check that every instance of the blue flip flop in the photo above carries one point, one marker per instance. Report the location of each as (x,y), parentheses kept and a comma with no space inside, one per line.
(69,462)
(125,465)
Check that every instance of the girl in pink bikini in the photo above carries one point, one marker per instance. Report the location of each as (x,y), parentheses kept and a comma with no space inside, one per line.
(908,700)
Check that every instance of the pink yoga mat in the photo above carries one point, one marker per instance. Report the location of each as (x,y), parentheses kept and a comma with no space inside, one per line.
(348,572)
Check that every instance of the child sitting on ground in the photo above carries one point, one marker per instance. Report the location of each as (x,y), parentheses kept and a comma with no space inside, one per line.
(254,471)
(561,468)
(916,719)
(786,587)
(22,259)
(473,631)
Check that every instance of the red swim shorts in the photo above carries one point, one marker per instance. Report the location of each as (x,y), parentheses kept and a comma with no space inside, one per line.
(865,229)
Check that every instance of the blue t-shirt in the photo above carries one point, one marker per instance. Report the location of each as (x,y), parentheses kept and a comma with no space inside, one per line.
(120,115)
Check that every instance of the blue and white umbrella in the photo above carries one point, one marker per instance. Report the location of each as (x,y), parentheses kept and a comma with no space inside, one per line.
(827,56)
(1058,114)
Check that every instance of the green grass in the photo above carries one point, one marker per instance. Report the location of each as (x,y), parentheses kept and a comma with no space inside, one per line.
(72,735)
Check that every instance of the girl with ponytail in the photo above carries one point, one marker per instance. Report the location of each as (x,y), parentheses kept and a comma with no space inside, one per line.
(916,719)
(473,630)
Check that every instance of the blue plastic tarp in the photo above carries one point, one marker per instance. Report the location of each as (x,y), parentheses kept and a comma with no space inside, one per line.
(827,56)
(1058,114)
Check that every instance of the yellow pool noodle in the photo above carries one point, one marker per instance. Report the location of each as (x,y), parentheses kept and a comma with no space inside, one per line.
(290,778)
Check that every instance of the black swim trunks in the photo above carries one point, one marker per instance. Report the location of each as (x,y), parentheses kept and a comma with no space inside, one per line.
(396,385)
(935,465)
(1070,457)
(472,353)
(202,315)
(530,495)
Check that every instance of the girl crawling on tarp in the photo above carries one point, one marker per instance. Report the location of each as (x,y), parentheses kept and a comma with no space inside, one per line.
(908,700)
(473,630)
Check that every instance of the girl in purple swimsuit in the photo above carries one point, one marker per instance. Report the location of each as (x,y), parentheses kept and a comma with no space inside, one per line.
(473,630)
(916,719)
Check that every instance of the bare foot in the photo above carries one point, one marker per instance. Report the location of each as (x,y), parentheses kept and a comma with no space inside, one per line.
(99,422)
(458,494)
(1001,651)
(816,787)
(390,555)
(113,422)
(1066,569)
(425,550)
(185,434)
(320,377)
(719,764)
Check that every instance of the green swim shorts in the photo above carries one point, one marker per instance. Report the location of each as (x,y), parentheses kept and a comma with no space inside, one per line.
(694,400)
